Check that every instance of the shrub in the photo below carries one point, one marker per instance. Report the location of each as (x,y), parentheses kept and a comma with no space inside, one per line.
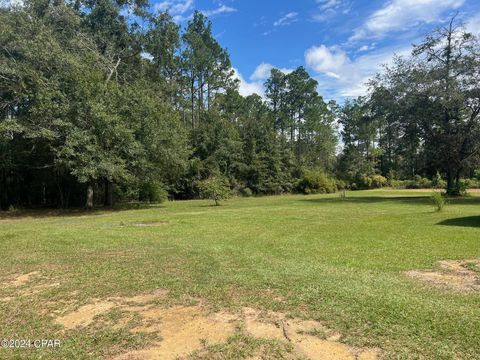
(438,200)
(419,182)
(462,187)
(477,174)
(153,192)
(438,182)
(398,184)
(378,181)
(316,182)
(247,192)
(215,188)
(471,183)
(368,182)
(341,185)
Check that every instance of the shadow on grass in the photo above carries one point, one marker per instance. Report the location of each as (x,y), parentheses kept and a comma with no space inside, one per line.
(370,199)
(423,199)
(468,221)
(46,213)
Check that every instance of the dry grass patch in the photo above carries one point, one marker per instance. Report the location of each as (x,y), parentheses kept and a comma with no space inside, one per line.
(458,275)
(26,285)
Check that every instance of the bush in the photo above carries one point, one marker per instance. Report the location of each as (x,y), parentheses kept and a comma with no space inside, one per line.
(419,182)
(368,182)
(438,182)
(215,188)
(153,192)
(471,183)
(378,181)
(462,187)
(397,184)
(477,175)
(316,182)
(340,184)
(438,200)
(247,192)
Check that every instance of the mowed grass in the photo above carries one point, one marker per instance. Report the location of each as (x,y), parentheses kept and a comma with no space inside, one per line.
(340,261)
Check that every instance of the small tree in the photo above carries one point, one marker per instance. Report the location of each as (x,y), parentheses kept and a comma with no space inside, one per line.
(438,200)
(215,188)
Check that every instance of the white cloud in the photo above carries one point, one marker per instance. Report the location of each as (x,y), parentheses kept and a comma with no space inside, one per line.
(222,9)
(328,61)
(329,4)
(181,9)
(287,19)
(329,9)
(340,76)
(397,15)
(257,79)
(473,25)
(366,47)
(175,7)
(246,88)
(262,72)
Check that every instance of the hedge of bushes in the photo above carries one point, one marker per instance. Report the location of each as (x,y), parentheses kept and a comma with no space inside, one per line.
(316,182)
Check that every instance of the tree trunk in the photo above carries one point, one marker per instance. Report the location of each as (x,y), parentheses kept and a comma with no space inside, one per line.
(108,202)
(453,179)
(89,202)
(192,91)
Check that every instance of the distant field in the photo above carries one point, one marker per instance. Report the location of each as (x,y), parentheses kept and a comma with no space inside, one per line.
(241,280)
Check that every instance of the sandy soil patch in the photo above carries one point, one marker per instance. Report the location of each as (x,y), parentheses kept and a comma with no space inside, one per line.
(184,329)
(85,315)
(26,284)
(458,275)
(24,278)
(299,333)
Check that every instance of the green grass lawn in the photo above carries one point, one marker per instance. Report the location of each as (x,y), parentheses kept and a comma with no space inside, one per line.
(339,261)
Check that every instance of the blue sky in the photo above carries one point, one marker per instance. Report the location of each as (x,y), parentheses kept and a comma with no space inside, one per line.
(341,42)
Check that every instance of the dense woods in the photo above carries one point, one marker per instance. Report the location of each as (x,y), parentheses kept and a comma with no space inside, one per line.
(104,101)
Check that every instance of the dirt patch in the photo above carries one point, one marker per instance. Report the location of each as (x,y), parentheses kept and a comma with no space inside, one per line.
(86,314)
(24,278)
(182,330)
(458,275)
(26,285)
(300,334)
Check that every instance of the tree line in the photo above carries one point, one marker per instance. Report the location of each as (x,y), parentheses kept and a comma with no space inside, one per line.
(104,100)
(421,116)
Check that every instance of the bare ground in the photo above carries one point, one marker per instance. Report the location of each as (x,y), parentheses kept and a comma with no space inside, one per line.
(183,330)
(458,275)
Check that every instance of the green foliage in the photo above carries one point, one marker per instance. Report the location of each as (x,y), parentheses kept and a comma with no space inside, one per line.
(438,182)
(90,97)
(316,182)
(363,182)
(411,124)
(378,181)
(461,187)
(470,183)
(477,174)
(215,188)
(419,182)
(247,192)
(438,200)
(153,192)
